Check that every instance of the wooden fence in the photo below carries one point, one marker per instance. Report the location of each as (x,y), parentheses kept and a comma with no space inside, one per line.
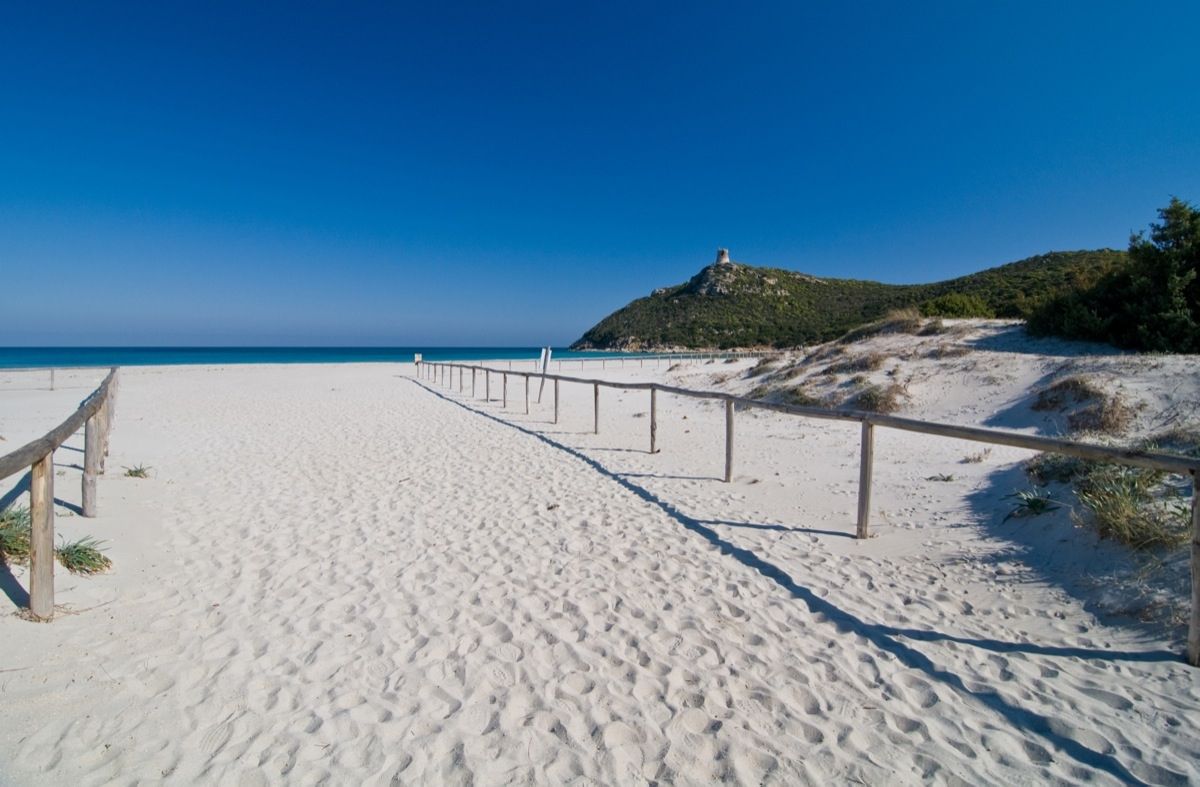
(95,415)
(1183,465)
(639,360)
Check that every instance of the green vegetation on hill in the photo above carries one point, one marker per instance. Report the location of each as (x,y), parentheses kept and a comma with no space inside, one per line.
(735,305)
(1151,302)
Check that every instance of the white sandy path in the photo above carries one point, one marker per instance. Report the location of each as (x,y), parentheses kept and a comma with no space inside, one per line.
(337,574)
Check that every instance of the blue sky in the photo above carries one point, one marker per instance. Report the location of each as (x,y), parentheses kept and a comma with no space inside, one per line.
(508,173)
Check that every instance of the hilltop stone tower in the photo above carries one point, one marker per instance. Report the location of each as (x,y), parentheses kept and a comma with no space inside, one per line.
(723,257)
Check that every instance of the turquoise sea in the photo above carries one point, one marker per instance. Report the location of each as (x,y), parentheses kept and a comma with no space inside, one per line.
(42,357)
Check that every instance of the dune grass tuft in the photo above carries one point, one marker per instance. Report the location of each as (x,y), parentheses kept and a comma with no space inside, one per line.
(1136,506)
(83,556)
(857,363)
(896,321)
(1067,391)
(1100,412)
(79,557)
(14,534)
(802,397)
(138,471)
(978,457)
(879,398)
(1031,502)
(1110,415)
(1131,505)
(763,366)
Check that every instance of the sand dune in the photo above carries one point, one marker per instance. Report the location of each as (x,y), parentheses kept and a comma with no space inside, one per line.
(340,574)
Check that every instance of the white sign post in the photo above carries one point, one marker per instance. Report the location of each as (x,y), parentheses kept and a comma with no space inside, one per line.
(545,364)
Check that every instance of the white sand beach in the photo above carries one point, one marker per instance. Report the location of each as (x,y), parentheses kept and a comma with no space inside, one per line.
(342,574)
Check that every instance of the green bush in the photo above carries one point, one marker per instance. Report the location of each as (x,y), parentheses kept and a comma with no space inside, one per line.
(957,305)
(1150,303)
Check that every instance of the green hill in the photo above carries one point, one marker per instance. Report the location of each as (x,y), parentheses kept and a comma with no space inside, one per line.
(729,304)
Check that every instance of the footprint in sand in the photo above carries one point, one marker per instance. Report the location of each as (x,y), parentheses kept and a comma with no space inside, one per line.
(578,684)
(478,719)
(508,652)
(499,675)
(618,733)
(1114,701)
(215,739)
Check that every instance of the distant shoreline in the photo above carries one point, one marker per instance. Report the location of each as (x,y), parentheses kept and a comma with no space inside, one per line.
(60,357)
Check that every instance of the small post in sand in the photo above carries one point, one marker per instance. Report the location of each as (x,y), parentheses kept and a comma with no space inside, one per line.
(91,463)
(728,440)
(460,374)
(487,385)
(653,419)
(105,426)
(595,408)
(864,478)
(555,400)
(1193,654)
(504,390)
(526,394)
(41,538)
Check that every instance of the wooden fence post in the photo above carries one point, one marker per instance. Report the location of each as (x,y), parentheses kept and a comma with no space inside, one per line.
(487,385)
(41,538)
(595,408)
(91,463)
(1193,654)
(102,415)
(653,420)
(728,440)
(526,394)
(864,478)
(472,382)
(504,389)
(556,400)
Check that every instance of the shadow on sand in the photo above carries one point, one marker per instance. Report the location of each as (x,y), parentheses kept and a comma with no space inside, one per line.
(886,638)
(1038,542)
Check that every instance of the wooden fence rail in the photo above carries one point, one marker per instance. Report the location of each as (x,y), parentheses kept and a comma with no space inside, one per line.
(619,361)
(95,415)
(1171,463)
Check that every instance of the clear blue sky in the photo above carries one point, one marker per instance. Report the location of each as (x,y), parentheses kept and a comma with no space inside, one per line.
(508,173)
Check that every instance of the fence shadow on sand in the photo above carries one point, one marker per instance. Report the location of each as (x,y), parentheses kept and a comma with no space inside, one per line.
(886,638)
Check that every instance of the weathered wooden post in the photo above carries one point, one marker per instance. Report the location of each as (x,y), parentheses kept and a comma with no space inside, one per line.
(866,462)
(526,394)
(487,385)
(91,463)
(595,408)
(460,375)
(504,390)
(105,428)
(653,419)
(41,538)
(1193,654)
(728,440)
(556,400)
(472,382)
